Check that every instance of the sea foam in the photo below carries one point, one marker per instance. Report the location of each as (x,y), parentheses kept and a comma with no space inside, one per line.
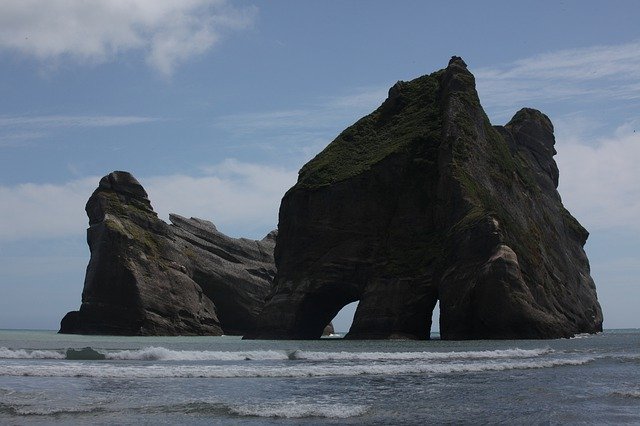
(165,354)
(295,410)
(107,370)
(628,394)
(25,410)
(6,353)
(409,356)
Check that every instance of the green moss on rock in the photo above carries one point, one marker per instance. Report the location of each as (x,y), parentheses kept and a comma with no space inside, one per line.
(409,116)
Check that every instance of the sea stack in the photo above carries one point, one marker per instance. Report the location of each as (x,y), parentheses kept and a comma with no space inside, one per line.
(146,277)
(423,201)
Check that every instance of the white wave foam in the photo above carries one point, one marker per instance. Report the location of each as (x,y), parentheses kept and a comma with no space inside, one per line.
(164,354)
(407,356)
(628,394)
(581,336)
(294,410)
(27,410)
(6,353)
(332,336)
(106,370)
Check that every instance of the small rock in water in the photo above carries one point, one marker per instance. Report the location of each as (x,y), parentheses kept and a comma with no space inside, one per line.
(87,353)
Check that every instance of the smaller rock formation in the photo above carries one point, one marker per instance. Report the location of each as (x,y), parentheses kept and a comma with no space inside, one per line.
(328,330)
(146,277)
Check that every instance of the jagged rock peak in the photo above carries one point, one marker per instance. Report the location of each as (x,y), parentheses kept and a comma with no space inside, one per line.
(457,61)
(123,183)
(526,114)
(116,190)
(531,131)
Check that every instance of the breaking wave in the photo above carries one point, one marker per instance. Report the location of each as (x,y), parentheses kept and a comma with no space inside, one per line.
(295,410)
(283,409)
(410,356)
(164,354)
(102,370)
(26,410)
(628,394)
(30,354)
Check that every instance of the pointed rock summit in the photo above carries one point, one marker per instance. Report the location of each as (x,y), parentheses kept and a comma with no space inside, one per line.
(423,201)
(146,277)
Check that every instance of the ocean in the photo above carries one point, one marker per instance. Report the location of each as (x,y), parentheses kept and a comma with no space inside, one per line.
(225,380)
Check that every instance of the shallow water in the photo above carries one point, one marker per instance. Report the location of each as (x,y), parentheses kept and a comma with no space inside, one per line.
(204,380)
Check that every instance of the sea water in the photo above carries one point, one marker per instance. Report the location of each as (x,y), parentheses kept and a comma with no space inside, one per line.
(46,379)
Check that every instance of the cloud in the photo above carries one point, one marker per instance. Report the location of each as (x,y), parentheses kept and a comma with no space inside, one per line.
(589,74)
(167,32)
(588,92)
(305,130)
(582,64)
(242,199)
(21,131)
(19,138)
(600,180)
(365,98)
(49,121)
(44,210)
(324,113)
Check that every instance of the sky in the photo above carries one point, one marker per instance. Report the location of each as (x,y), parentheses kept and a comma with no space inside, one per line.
(215,105)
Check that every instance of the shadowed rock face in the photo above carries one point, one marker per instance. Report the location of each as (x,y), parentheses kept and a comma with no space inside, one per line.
(146,277)
(424,200)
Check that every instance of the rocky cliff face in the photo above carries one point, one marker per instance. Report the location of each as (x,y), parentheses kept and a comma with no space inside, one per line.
(147,277)
(423,201)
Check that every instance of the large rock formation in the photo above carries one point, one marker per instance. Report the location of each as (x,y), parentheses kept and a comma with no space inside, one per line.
(423,201)
(146,277)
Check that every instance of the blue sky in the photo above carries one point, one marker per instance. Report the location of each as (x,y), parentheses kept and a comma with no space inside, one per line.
(215,105)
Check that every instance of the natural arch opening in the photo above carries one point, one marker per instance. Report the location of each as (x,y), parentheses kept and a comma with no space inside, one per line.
(435,322)
(344,318)
(317,309)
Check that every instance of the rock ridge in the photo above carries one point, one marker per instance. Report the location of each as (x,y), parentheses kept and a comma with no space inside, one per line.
(147,277)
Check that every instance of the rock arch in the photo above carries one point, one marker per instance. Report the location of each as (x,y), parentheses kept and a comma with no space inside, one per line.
(424,200)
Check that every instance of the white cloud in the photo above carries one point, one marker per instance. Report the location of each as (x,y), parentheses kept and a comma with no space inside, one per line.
(304,131)
(587,63)
(588,74)
(19,138)
(168,32)
(49,121)
(362,99)
(600,180)
(587,92)
(324,113)
(20,131)
(240,198)
(44,210)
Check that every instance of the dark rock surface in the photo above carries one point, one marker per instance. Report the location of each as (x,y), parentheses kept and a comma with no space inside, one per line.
(328,330)
(423,201)
(146,277)
(87,353)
